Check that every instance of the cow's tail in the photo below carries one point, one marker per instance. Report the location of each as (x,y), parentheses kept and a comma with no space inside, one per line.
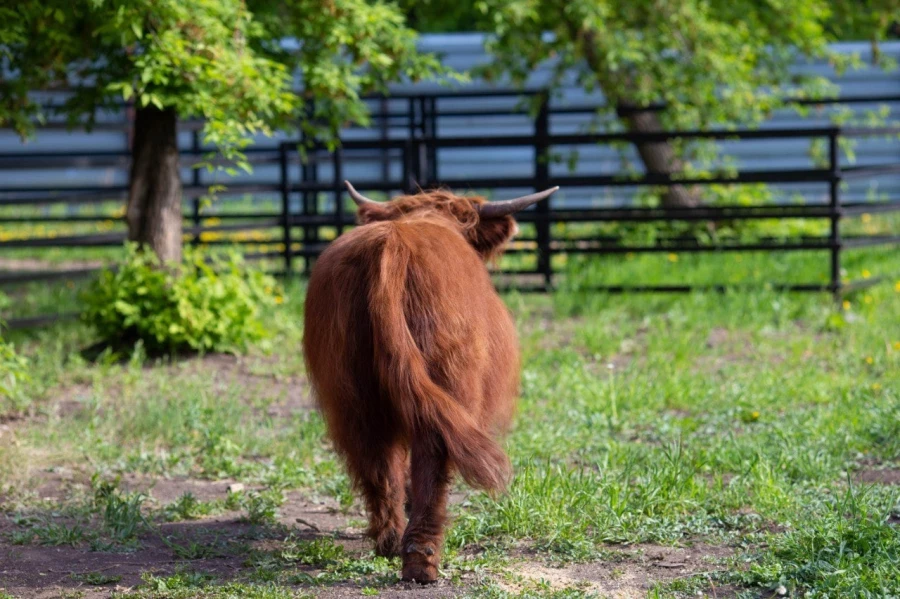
(425,407)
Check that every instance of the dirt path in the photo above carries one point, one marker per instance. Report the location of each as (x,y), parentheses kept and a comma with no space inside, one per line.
(50,571)
(630,573)
(37,571)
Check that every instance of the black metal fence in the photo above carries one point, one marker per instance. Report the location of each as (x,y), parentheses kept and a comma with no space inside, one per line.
(411,161)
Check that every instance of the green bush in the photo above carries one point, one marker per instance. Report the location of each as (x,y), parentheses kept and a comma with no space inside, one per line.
(210,303)
(13,374)
(13,377)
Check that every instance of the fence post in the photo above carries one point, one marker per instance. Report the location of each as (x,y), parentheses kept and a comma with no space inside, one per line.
(285,208)
(338,163)
(422,146)
(834,188)
(415,159)
(542,181)
(406,176)
(384,130)
(431,137)
(195,180)
(309,174)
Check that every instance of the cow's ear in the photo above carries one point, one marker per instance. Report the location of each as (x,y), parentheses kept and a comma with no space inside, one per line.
(370,213)
(491,234)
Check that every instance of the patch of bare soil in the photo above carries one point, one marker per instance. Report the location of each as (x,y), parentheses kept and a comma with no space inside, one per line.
(42,572)
(879,476)
(287,395)
(726,347)
(39,572)
(631,574)
(554,334)
(563,332)
(57,484)
(730,347)
(322,515)
(402,590)
(71,399)
(164,491)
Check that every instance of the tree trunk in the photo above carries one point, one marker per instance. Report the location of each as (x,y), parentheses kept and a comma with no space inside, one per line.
(658,157)
(153,210)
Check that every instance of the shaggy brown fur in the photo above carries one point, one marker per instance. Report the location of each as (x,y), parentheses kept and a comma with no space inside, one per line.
(413,358)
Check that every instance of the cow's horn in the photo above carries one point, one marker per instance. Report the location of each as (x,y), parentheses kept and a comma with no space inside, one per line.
(507,207)
(359,198)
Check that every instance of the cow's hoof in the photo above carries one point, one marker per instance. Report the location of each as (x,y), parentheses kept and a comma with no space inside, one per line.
(420,562)
(420,573)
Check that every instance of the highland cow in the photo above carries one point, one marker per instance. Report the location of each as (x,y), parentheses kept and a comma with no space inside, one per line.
(413,359)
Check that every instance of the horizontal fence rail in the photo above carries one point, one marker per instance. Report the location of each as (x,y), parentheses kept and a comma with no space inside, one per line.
(308,205)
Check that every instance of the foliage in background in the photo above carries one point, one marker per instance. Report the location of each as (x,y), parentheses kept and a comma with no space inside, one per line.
(343,48)
(13,378)
(222,61)
(231,63)
(194,56)
(706,62)
(669,65)
(439,16)
(208,304)
(874,20)
(13,374)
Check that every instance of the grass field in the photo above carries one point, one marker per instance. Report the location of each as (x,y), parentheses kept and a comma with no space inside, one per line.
(720,445)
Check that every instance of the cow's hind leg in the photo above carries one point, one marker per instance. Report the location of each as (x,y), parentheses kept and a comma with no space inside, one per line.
(380,474)
(430,483)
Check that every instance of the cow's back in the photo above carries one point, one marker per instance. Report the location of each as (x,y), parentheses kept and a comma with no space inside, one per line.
(458,322)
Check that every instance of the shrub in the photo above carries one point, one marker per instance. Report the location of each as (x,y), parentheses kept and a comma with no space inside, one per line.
(209,303)
(13,374)
(13,377)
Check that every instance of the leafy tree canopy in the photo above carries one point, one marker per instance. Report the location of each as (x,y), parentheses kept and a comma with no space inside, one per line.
(708,60)
(229,62)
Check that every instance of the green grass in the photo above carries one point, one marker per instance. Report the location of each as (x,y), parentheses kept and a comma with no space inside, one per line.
(741,421)
(96,578)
